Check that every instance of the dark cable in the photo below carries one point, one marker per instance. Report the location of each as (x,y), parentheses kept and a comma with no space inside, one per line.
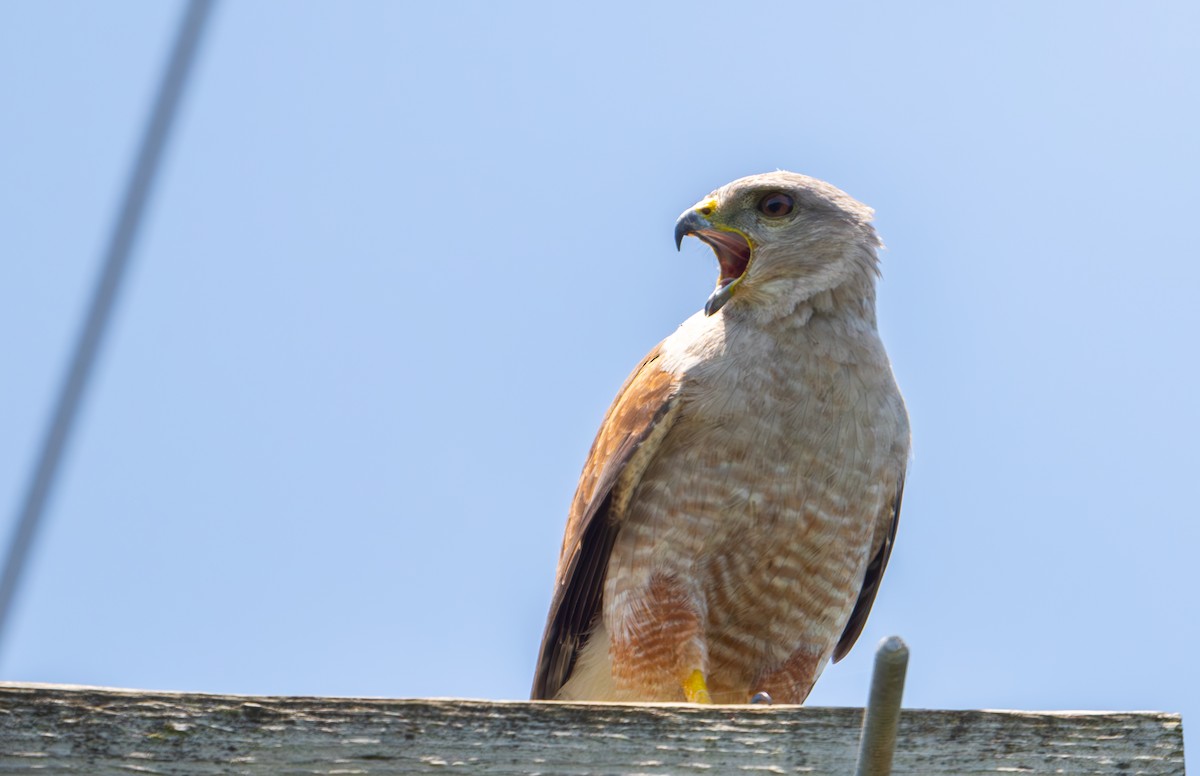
(74,386)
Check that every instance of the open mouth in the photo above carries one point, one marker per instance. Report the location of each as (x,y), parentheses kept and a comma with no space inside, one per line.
(733,253)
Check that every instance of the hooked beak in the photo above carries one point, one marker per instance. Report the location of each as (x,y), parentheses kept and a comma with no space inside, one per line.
(733,250)
(690,222)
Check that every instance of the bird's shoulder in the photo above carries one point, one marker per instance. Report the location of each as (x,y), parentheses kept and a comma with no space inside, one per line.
(635,421)
(633,427)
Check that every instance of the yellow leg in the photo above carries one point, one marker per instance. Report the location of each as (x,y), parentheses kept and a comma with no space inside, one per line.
(695,689)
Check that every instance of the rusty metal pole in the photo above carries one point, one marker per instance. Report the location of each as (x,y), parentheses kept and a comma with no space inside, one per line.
(882,715)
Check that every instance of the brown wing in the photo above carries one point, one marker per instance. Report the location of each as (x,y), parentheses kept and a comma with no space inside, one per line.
(635,424)
(862,607)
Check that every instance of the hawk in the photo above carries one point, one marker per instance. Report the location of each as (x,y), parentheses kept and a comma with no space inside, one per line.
(739,504)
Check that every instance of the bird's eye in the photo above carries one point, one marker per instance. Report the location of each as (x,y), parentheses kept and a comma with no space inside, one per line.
(776,205)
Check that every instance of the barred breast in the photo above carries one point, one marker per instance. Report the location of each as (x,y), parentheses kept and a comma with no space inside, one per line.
(755,560)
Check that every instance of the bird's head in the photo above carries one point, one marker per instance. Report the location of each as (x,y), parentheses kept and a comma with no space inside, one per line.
(781,239)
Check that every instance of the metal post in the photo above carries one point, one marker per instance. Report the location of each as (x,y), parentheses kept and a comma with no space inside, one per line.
(882,715)
(120,245)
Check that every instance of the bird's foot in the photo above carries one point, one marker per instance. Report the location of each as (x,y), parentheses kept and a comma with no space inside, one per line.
(695,689)
(762,698)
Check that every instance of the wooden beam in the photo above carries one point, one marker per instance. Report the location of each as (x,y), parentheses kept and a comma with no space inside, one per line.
(66,729)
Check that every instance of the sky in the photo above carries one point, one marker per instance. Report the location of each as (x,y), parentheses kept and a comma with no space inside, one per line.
(401,256)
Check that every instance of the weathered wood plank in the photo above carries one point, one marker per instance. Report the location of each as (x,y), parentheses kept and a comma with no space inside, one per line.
(61,729)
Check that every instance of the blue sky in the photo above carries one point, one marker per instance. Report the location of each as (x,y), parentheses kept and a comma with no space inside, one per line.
(401,257)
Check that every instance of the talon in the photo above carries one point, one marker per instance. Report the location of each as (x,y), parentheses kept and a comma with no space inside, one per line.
(695,689)
(762,698)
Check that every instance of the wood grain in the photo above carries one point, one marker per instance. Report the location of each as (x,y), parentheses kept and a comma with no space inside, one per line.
(51,729)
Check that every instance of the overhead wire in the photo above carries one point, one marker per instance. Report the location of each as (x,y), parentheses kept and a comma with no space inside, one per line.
(74,386)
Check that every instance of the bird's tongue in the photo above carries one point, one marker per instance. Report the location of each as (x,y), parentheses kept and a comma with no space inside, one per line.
(733,253)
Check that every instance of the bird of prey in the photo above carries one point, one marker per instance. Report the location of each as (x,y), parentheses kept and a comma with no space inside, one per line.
(739,503)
